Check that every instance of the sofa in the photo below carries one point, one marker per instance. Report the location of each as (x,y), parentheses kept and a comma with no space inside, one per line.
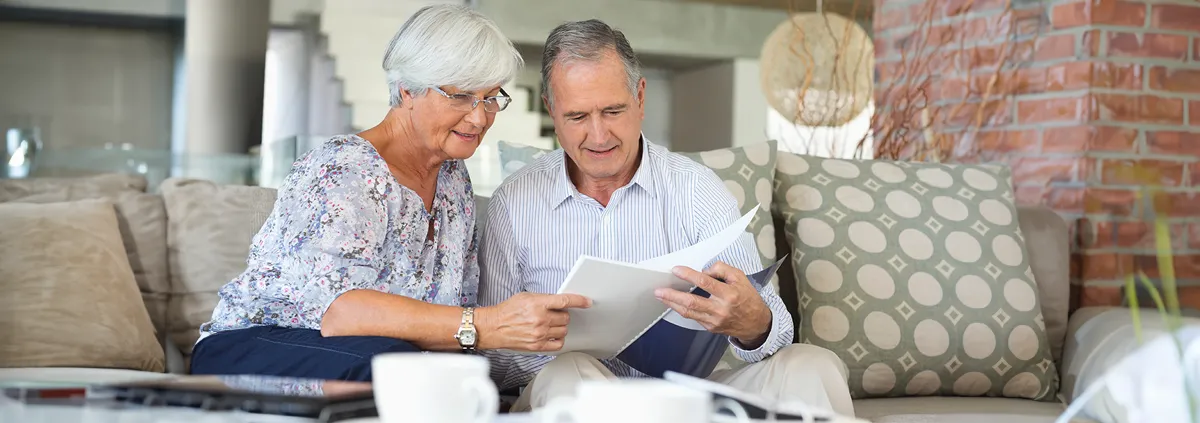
(186,239)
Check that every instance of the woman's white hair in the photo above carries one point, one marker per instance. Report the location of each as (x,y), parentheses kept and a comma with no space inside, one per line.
(448,45)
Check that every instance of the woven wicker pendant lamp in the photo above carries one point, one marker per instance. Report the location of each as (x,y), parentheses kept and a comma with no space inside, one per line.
(817,69)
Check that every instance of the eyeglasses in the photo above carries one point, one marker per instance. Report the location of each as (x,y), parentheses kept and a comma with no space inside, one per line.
(464,102)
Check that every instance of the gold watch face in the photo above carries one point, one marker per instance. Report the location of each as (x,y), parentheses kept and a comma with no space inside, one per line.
(467,337)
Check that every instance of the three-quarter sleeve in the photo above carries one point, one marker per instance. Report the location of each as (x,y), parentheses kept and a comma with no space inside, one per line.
(335,232)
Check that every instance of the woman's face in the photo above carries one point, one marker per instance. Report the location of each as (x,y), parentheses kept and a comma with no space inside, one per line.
(446,121)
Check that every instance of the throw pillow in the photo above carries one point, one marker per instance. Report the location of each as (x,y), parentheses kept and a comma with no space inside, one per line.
(70,297)
(209,230)
(515,156)
(916,275)
(141,218)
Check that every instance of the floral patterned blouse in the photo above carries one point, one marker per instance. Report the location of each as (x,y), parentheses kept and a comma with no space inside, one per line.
(342,222)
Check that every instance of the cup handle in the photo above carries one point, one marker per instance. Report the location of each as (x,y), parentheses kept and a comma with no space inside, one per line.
(733,407)
(489,399)
(557,409)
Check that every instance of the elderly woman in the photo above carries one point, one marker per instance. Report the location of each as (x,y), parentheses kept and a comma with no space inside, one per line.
(372,246)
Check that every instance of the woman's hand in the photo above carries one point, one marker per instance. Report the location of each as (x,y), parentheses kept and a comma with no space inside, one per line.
(527,321)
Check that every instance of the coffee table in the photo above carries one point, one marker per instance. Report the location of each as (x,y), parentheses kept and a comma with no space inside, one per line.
(79,411)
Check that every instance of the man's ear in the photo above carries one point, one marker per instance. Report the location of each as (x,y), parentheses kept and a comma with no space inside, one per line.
(546,103)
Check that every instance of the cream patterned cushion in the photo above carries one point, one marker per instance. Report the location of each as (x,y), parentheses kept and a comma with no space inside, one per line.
(916,275)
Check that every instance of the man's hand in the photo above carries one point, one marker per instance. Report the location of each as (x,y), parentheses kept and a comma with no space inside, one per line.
(527,321)
(734,308)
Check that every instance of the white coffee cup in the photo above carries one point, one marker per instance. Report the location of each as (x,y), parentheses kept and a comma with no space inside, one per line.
(433,387)
(637,401)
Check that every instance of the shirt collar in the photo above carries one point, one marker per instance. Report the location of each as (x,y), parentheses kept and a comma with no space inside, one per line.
(643,177)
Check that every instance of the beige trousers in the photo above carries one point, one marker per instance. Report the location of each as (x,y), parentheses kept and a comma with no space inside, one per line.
(802,372)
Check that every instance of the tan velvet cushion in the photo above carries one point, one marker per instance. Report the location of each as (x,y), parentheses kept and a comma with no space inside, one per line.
(1046,238)
(70,295)
(209,231)
(141,217)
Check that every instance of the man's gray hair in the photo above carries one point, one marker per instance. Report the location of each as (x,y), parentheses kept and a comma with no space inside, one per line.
(448,45)
(587,40)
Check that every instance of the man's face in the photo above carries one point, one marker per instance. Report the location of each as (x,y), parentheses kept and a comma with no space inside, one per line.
(597,119)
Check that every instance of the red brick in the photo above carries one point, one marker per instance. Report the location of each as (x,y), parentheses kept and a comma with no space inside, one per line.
(986,113)
(1064,199)
(1175,143)
(1175,80)
(1049,110)
(1088,138)
(1194,236)
(1166,46)
(1161,110)
(1085,13)
(1108,234)
(1137,109)
(1066,76)
(1105,266)
(894,18)
(1091,42)
(1126,76)
(1007,141)
(1030,194)
(1102,296)
(1045,170)
(1176,16)
(1145,172)
(1186,266)
(1189,297)
(961,7)
(1194,113)
(1055,47)
(1115,201)
(1179,204)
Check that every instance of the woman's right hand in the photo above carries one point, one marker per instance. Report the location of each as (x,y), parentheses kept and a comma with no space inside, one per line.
(527,322)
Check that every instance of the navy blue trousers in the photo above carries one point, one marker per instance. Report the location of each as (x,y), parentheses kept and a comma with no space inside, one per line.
(290,352)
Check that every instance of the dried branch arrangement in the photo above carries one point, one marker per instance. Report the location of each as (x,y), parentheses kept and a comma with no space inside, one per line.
(935,89)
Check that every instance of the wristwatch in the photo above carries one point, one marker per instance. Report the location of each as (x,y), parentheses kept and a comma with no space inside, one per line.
(466,334)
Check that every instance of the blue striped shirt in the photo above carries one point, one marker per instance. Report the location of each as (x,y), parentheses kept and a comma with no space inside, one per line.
(538,225)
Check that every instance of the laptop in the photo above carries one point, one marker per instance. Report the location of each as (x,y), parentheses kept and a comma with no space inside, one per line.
(323,400)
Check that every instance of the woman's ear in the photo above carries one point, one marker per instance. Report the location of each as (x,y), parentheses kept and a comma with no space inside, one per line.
(406,97)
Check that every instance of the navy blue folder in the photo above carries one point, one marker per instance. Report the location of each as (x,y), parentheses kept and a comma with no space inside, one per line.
(667,347)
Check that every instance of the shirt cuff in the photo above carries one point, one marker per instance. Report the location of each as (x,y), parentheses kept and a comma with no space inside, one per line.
(770,344)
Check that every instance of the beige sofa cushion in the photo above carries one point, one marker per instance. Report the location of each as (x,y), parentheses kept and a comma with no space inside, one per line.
(1047,238)
(208,239)
(141,217)
(80,187)
(70,295)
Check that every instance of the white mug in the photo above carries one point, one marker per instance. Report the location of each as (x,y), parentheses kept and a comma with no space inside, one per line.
(433,387)
(637,401)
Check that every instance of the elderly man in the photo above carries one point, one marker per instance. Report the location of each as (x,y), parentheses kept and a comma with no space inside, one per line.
(609,193)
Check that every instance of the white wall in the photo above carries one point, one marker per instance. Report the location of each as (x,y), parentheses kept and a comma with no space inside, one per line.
(89,86)
(702,115)
(718,106)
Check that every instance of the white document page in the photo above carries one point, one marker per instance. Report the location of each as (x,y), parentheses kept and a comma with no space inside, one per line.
(696,256)
(623,302)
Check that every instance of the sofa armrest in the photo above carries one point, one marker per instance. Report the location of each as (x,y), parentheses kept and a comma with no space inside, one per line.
(1073,355)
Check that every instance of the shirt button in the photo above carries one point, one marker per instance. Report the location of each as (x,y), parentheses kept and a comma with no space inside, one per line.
(607,219)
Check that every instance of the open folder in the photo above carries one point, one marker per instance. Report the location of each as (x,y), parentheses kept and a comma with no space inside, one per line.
(628,322)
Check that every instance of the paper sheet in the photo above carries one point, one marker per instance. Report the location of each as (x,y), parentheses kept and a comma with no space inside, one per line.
(697,256)
(623,302)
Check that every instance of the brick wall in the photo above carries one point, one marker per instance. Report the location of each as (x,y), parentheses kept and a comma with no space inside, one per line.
(1092,101)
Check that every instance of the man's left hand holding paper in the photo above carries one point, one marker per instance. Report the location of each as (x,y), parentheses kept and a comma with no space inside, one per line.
(734,307)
